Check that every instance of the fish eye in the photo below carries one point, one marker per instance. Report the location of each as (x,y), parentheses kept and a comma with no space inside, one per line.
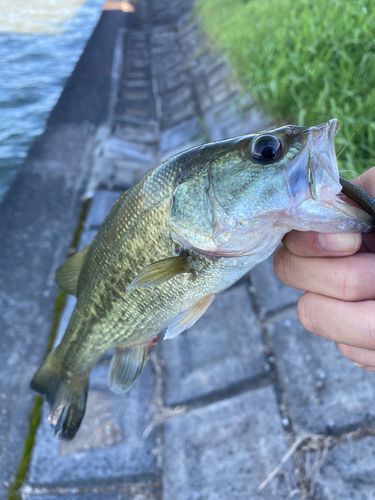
(266,148)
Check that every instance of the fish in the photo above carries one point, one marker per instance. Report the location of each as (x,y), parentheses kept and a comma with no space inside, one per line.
(188,230)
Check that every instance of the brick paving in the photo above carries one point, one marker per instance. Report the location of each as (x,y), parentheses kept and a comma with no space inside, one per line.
(216,408)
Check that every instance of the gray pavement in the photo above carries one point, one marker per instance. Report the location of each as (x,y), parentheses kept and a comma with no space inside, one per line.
(37,220)
(216,408)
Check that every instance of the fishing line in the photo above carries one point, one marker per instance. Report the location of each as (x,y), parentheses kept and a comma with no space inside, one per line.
(351,137)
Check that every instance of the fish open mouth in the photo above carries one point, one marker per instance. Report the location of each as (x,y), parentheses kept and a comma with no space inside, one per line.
(322,170)
(355,212)
(323,154)
(316,186)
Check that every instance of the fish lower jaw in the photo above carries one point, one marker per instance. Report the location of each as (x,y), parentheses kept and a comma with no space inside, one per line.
(355,212)
(328,216)
(247,245)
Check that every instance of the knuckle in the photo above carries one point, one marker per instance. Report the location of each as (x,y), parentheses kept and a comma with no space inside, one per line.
(280,264)
(351,284)
(346,350)
(304,312)
(369,327)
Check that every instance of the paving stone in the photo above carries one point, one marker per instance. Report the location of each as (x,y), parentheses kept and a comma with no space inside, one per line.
(101,205)
(348,472)
(232,117)
(192,40)
(137,36)
(129,150)
(139,83)
(219,451)
(183,147)
(250,121)
(217,74)
(222,349)
(170,62)
(177,97)
(87,496)
(221,113)
(65,317)
(86,238)
(131,64)
(166,12)
(138,491)
(327,393)
(99,430)
(142,74)
(272,295)
(134,50)
(166,83)
(181,134)
(160,42)
(221,93)
(148,134)
(135,110)
(184,111)
(125,173)
(137,94)
(138,121)
(113,442)
(225,450)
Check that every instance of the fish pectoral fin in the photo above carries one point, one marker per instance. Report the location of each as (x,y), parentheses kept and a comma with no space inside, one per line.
(127,363)
(160,271)
(66,276)
(187,319)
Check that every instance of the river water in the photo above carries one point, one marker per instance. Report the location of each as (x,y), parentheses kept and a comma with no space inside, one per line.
(40,43)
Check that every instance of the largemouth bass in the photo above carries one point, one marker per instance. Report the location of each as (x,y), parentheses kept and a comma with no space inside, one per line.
(188,230)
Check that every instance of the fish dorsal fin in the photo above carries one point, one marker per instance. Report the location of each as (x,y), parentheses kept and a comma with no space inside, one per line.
(67,274)
(160,271)
(187,319)
(127,363)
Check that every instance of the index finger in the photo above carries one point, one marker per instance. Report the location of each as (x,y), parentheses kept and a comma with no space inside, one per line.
(366,181)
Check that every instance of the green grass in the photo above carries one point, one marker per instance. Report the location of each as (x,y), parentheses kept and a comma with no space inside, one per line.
(305,61)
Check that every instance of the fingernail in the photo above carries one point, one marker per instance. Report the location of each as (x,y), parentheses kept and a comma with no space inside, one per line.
(344,243)
(359,365)
(365,367)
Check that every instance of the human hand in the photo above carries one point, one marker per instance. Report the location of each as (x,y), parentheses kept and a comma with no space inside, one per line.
(338,273)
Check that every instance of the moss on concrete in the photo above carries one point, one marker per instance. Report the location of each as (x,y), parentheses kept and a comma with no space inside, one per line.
(36,412)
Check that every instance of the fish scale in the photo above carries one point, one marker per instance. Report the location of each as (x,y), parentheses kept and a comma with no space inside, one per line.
(137,316)
(189,229)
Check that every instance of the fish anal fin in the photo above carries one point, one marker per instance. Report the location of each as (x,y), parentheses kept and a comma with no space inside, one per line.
(187,319)
(67,274)
(127,363)
(161,271)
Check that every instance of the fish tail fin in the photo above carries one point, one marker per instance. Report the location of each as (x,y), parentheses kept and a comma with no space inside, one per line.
(66,396)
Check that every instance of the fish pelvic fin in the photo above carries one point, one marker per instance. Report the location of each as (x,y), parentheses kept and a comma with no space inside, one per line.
(65,395)
(66,276)
(187,318)
(161,271)
(127,363)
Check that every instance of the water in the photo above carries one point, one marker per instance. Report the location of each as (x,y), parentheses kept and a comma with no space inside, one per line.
(40,43)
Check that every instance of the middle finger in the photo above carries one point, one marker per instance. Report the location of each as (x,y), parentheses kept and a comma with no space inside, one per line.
(349,278)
